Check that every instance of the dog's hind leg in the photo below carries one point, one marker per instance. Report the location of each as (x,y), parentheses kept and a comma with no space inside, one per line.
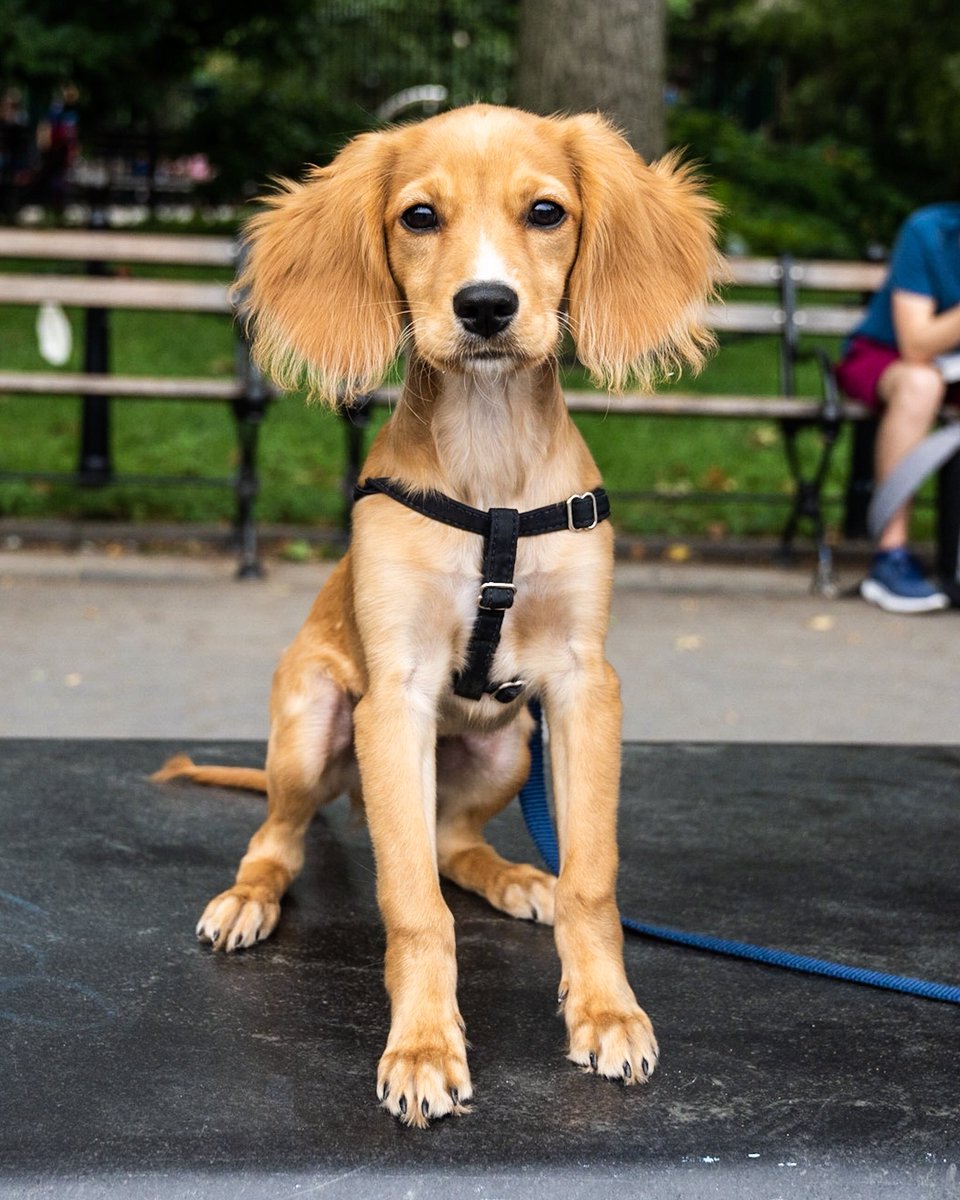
(477,776)
(309,762)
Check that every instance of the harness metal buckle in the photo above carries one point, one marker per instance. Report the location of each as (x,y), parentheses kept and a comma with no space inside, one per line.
(510,587)
(596,516)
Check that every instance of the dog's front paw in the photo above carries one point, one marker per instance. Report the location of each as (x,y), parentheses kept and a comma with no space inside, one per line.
(239,917)
(612,1037)
(424,1076)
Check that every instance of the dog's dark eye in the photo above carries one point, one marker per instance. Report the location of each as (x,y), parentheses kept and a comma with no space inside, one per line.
(546,214)
(419,218)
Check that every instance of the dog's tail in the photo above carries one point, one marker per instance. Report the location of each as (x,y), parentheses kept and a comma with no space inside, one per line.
(251,779)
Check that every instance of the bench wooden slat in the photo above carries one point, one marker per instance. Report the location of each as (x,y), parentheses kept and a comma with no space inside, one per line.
(93,291)
(752,272)
(688,404)
(839,276)
(90,245)
(827,319)
(79,383)
(738,316)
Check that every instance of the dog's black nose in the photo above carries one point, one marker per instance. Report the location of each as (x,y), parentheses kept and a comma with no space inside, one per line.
(485,309)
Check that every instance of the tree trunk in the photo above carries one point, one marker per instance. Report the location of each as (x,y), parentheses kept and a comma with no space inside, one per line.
(589,55)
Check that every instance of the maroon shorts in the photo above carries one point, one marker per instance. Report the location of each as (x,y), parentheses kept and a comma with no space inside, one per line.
(859,371)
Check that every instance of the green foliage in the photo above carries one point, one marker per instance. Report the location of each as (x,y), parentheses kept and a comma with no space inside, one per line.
(819,199)
(821,108)
(881,76)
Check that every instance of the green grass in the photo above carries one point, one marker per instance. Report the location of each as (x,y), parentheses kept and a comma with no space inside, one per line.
(301,451)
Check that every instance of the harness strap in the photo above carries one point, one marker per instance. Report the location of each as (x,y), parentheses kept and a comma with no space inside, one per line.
(581,511)
(500,529)
(496,596)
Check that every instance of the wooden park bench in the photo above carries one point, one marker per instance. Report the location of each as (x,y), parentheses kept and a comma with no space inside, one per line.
(99,291)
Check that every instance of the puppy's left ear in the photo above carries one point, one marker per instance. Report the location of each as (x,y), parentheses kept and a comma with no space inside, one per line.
(647,261)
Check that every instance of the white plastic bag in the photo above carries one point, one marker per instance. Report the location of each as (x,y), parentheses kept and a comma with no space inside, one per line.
(54,335)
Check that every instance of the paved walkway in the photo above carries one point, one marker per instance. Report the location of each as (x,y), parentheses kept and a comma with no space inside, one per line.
(136,646)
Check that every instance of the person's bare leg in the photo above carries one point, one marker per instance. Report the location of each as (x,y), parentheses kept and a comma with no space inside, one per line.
(912,394)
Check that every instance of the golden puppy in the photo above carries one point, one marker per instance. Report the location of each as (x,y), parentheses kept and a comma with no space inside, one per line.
(471,239)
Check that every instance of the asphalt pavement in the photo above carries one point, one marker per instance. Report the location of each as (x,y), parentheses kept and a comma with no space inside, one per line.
(130,645)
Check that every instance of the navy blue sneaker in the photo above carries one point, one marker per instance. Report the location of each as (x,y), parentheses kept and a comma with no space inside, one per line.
(897,584)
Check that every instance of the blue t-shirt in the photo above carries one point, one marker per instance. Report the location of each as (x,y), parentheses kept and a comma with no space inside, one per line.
(926,261)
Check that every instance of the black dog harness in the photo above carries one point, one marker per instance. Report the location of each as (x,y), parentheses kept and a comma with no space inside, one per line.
(500,529)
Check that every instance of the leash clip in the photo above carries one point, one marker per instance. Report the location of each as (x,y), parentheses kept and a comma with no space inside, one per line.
(571,522)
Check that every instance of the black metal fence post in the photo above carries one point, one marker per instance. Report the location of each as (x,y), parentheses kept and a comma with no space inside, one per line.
(249,411)
(96,462)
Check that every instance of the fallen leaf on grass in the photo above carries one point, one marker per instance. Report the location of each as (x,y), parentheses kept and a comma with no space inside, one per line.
(716,479)
(764,435)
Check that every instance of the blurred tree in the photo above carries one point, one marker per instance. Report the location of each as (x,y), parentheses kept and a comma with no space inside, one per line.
(578,55)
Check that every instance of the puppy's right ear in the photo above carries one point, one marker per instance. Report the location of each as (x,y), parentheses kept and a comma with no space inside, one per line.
(315,286)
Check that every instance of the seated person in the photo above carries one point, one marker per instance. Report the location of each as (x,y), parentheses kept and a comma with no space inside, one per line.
(889,363)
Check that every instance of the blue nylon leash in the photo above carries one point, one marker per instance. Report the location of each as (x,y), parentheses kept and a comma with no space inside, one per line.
(536,813)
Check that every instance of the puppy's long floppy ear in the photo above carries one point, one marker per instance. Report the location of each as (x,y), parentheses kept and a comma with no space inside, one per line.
(647,260)
(316,286)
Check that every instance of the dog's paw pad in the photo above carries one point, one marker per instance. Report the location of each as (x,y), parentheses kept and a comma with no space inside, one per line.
(238,918)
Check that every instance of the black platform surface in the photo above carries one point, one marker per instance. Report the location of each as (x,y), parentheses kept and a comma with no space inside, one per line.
(137,1063)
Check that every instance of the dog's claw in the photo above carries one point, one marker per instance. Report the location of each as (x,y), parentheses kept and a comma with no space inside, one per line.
(627,1073)
(425,1109)
(402,1105)
(645,1067)
(593,1061)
